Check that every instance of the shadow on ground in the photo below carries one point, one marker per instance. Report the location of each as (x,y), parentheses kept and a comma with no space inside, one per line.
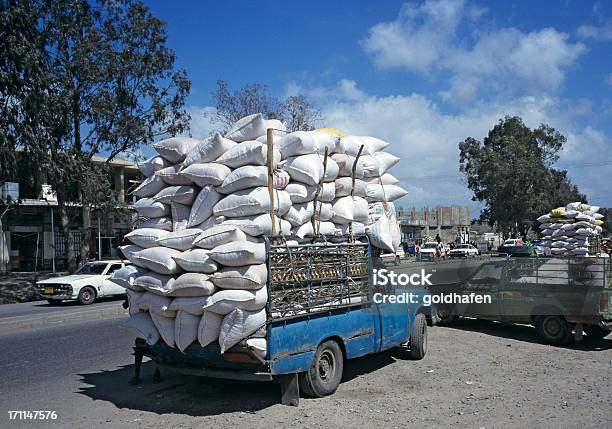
(525,333)
(189,395)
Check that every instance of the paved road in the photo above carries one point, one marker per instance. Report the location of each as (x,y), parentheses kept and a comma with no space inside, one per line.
(475,375)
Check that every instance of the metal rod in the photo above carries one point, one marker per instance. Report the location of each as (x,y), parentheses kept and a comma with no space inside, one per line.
(99,239)
(269,162)
(52,239)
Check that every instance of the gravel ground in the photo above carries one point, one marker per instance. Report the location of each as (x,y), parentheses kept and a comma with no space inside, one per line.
(476,374)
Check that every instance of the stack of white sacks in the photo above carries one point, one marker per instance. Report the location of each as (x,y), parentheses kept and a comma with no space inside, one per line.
(566,230)
(198,268)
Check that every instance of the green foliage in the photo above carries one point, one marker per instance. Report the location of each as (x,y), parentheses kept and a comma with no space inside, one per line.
(512,173)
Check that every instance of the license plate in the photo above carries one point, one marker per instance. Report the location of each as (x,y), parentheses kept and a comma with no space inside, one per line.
(49,290)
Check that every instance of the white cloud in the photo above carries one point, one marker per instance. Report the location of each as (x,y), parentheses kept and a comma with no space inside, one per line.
(602,32)
(426,139)
(202,124)
(424,38)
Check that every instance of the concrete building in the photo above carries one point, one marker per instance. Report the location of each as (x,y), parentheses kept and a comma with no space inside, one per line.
(32,232)
(452,223)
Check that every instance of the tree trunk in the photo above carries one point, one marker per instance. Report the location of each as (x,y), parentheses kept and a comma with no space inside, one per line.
(69,259)
(86,233)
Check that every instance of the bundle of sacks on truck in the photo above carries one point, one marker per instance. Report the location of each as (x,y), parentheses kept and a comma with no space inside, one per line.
(198,268)
(566,231)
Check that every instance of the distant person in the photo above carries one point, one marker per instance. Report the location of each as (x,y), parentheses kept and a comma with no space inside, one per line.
(438,238)
(417,251)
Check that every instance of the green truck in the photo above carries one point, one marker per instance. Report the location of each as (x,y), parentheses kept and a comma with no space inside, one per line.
(563,298)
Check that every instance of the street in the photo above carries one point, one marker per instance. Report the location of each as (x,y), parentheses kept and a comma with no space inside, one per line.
(476,374)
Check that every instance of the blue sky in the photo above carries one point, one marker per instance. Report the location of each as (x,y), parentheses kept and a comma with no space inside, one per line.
(422,75)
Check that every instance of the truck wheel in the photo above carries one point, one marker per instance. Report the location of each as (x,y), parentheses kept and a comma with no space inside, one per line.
(596,332)
(52,301)
(418,339)
(445,314)
(87,295)
(325,375)
(553,329)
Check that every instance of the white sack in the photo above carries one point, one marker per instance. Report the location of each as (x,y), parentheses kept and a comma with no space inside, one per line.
(180,240)
(257,225)
(203,174)
(306,142)
(180,216)
(380,234)
(217,235)
(151,186)
(376,193)
(148,207)
(193,304)
(259,346)
(239,253)
(343,208)
(192,284)
(307,169)
(251,202)
(248,153)
(164,223)
(299,214)
(248,176)
(247,128)
(125,277)
(208,150)
(133,299)
(146,237)
(385,179)
(345,165)
(196,261)
(178,194)
(301,193)
(156,304)
(385,161)
(154,282)
(209,327)
(144,327)
(325,228)
(358,229)
(172,176)
(130,252)
(202,207)
(250,277)
(344,186)
(149,166)
(185,329)
(238,325)
(176,148)
(165,326)
(227,300)
(350,145)
(158,259)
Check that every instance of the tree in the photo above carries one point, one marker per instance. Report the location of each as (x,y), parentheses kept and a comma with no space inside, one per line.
(87,79)
(512,173)
(295,111)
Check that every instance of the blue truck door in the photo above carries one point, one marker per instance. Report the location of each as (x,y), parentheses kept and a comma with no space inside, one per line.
(394,321)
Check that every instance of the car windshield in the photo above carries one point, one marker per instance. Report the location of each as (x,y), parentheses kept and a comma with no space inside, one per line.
(430,245)
(92,268)
(510,242)
(463,246)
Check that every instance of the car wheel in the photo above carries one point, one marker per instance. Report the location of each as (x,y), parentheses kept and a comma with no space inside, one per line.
(87,295)
(325,375)
(553,329)
(418,339)
(54,301)
(596,332)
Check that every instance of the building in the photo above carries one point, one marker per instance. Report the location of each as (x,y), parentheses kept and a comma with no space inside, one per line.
(451,223)
(32,233)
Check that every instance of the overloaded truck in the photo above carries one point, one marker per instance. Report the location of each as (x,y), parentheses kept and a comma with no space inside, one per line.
(321,313)
(563,297)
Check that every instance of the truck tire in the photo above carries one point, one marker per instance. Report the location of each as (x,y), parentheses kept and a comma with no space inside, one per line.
(445,314)
(52,301)
(325,375)
(596,332)
(553,329)
(418,339)
(87,295)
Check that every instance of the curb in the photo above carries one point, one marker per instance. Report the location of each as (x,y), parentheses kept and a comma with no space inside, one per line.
(24,322)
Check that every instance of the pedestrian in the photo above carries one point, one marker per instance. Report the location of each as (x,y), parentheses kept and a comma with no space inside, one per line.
(417,251)
(438,238)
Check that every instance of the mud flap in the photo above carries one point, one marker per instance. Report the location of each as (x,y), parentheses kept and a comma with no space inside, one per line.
(290,389)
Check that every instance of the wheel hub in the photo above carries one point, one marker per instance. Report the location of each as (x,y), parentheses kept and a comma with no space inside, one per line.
(326,366)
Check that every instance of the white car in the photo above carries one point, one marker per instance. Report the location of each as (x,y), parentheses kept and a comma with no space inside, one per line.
(464,251)
(428,250)
(89,282)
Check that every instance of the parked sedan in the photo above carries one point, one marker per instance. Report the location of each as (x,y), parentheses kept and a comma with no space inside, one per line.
(464,251)
(89,282)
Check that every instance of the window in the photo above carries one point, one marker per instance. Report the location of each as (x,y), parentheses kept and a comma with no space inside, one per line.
(92,268)
(113,268)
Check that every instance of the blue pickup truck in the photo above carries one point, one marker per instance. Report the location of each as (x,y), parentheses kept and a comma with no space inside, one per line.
(321,312)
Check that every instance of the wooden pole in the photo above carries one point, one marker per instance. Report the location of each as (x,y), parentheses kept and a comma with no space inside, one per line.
(270,161)
(353,187)
(315,229)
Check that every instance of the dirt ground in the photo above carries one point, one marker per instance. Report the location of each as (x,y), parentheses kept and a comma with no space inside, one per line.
(476,374)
